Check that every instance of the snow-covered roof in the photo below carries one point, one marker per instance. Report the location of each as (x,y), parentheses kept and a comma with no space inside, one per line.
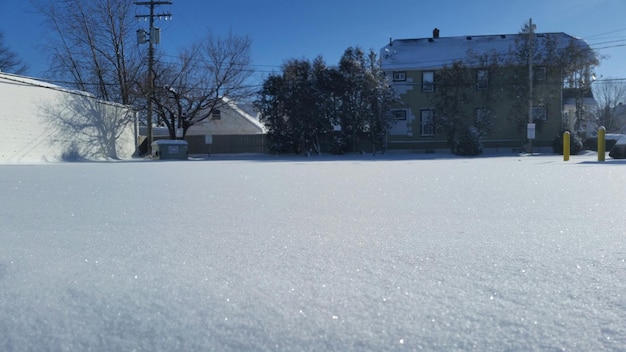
(9,78)
(24,80)
(434,53)
(169,141)
(234,120)
(244,114)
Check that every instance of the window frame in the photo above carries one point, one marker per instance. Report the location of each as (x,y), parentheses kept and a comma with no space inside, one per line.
(482,83)
(399,114)
(540,73)
(540,111)
(479,112)
(427,128)
(428,86)
(399,76)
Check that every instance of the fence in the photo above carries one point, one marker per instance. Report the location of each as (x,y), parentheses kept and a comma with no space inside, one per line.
(227,144)
(258,144)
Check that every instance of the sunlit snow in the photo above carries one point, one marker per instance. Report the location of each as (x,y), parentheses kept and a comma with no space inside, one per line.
(364,253)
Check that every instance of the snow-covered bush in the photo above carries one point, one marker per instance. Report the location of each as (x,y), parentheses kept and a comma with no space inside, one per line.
(338,144)
(468,142)
(575,144)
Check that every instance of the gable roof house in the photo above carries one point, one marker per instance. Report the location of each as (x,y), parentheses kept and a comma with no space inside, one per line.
(231,119)
(479,82)
(231,128)
(45,122)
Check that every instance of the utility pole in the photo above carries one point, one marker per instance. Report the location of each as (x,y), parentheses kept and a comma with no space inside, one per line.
(154,38)
(531,126)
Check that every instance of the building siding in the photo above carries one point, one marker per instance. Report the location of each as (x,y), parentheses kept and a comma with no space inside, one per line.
(405,62)
(46,122)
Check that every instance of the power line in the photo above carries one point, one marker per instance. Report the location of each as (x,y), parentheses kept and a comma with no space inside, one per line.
(605,33)
(610,41)
(610,47)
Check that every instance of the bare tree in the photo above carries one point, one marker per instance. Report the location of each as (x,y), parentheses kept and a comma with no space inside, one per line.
(449,100)
(611,95)
(93,46)
(204,79)
(9,60)
(568,63)
(474,81)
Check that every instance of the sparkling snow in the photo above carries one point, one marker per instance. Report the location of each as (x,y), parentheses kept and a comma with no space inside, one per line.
(359,253)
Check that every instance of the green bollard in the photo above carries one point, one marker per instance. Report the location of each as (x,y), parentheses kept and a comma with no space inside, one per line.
(566,146)
(601,143)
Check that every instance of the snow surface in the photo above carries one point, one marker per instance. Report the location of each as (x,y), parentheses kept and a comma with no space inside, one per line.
(359,253)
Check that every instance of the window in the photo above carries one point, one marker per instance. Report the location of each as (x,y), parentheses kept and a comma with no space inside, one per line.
(216,115)
(428,80)
(427,127)
(399,114)
(539,113)
(482,79)
(539,73)
(399,76)
(481,117)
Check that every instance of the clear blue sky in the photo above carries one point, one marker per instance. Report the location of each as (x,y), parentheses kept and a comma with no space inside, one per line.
(283,29)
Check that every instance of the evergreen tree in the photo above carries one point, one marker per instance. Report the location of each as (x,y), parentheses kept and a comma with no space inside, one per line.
(353,108)
(308,99)
(366,98)
(271,103)
(294,107)
(381,97)
(450,98)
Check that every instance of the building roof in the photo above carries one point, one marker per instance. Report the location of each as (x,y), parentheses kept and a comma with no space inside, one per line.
(24,80)
(434,53)
(14,79)
(244,113)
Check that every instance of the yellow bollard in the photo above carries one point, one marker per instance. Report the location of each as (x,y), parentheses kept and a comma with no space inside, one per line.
(566,146)
(601,143)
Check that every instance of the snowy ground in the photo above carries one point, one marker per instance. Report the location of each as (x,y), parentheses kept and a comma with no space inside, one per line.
(311,254)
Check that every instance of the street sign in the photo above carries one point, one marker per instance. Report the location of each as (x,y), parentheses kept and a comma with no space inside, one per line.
(531,131)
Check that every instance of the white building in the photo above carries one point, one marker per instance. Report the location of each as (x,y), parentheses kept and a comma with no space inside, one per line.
(45,122)
(586,124)
(229,119)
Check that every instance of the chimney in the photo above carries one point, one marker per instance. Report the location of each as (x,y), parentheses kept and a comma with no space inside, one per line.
(436,33)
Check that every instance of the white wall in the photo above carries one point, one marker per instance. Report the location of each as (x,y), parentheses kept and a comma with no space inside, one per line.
(40,121)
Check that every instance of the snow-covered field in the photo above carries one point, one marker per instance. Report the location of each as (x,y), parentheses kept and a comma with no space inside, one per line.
(357,253)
